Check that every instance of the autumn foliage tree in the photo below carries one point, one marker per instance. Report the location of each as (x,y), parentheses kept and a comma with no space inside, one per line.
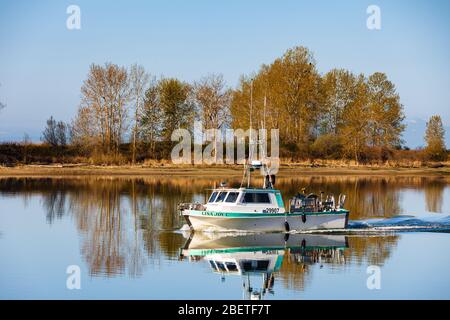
(334,115)
(355,127)
(177,109)
(285,97)
(337,92)
(385,112)
(168,106)
(338,114)
(151,119)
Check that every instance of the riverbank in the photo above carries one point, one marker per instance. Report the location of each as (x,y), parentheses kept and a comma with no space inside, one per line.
(209,171)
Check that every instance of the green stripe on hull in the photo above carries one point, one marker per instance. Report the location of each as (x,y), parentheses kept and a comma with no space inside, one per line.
(205,252)
(218,214)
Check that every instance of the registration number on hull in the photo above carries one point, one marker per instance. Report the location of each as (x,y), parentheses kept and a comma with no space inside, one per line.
(225,214)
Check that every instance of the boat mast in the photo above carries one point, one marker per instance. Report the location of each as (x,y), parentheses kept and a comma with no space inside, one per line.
(250,151)
(251,106)
(262,145)
(265,105)
(252,142)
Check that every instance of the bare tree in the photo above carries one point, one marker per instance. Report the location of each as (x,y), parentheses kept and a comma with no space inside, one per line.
(152,117)
(83,132)
(49,134)
(61,133)
(103,110)
(213,100)
(55,133)
(138,82)
(26,143)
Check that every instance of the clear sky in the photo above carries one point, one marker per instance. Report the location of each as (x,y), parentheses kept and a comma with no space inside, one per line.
(43,64)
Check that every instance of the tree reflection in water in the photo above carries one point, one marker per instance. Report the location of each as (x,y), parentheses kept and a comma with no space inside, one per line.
(126,224)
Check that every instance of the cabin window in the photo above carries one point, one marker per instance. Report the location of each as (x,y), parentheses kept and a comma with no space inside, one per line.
(231,266)
(221,266)
(262,265)
(212,264)
(258,265)
(221,197)
(256,197)
(213,197)
(232,197)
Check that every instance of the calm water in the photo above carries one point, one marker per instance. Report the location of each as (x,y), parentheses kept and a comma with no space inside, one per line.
(125,236)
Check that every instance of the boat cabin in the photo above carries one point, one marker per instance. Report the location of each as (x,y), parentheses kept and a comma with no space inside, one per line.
(246,200)
(246,263)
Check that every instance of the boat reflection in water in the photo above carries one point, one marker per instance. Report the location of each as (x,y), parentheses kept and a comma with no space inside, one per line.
(261,255)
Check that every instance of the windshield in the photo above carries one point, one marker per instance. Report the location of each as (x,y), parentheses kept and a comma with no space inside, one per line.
(213,197)
(256,197)
(232,197)
(221,197)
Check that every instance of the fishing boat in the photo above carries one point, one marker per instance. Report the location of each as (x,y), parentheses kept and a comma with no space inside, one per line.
(263,210)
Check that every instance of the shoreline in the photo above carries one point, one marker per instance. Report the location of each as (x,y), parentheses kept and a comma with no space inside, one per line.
(209,171)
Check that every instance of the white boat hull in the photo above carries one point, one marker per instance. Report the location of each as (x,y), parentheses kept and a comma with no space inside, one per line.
(266,223)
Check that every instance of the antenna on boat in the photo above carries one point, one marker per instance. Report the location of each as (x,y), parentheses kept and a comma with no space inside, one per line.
(247,165)
(250,164)
(265,105)
(250,151)
(251,106)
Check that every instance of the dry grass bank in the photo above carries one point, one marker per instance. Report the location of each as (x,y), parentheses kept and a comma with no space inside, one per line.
(167,169)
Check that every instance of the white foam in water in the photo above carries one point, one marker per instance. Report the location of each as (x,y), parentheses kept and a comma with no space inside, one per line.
(402,223)
(185,227)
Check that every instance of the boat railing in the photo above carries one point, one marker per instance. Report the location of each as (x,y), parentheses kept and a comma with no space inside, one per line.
(314,204)
(304,205)
(327,205)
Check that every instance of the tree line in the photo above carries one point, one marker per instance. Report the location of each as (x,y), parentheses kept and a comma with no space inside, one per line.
(338,114)
(117,104)
(127,113)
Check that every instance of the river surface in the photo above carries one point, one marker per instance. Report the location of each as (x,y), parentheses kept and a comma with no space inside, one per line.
(122,238)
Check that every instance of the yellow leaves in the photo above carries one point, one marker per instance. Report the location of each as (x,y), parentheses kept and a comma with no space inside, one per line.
(285,94)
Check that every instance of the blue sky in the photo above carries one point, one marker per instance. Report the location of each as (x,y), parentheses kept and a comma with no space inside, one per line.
(43,64)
